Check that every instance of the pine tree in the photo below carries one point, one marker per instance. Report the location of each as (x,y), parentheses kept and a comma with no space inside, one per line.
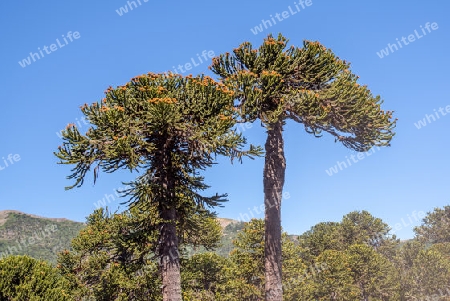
(204,276)
(167,128)
(322,236)
(311,86)
(336,282)
(373,274)
(247,266)
(26,278)
(360,227)
(114,259)
(424,270)
(435,227)
(111,259)
(430,276)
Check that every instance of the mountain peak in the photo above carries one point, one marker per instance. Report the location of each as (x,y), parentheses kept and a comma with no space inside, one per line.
(5,213)
(225,221)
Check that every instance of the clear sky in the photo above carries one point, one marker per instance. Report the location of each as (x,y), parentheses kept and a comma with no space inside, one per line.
(89,45)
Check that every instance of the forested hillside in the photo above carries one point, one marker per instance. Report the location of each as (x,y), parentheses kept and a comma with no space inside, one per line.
(43,238)
(35,236)
(355,259)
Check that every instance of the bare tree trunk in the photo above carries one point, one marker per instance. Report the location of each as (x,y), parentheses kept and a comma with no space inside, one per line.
(168,240)
(274,170)
(169,259)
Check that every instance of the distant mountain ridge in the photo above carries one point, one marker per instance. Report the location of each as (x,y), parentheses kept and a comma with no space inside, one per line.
(36,236)
(4,214)
(43,237)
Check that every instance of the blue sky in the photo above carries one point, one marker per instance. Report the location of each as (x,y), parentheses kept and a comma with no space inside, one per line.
(41,98)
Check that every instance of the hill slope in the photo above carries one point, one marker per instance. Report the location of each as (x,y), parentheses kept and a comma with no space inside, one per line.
(43,238)
(35,236)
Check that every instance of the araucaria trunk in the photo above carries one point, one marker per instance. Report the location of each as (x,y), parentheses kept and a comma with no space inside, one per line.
(274,170)
(170,261)
(168,240)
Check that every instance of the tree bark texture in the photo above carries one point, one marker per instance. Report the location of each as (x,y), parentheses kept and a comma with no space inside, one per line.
(274,173)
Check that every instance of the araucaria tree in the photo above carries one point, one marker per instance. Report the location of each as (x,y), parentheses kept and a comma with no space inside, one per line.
(311,86)
(167,128)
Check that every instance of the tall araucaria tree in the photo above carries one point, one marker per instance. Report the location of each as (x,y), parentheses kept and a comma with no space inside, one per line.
(167,128)
(311,86)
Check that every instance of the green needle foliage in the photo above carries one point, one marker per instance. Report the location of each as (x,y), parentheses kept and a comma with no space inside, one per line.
(204,277)
(167,128)
(373,274)
(335,283)
(26,278)
(435,227)
(308,85)
(113,258)
(110,261)
(134,122)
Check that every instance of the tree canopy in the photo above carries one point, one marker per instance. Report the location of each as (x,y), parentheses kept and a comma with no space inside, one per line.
(26,278)
(166,128)
(309,85)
